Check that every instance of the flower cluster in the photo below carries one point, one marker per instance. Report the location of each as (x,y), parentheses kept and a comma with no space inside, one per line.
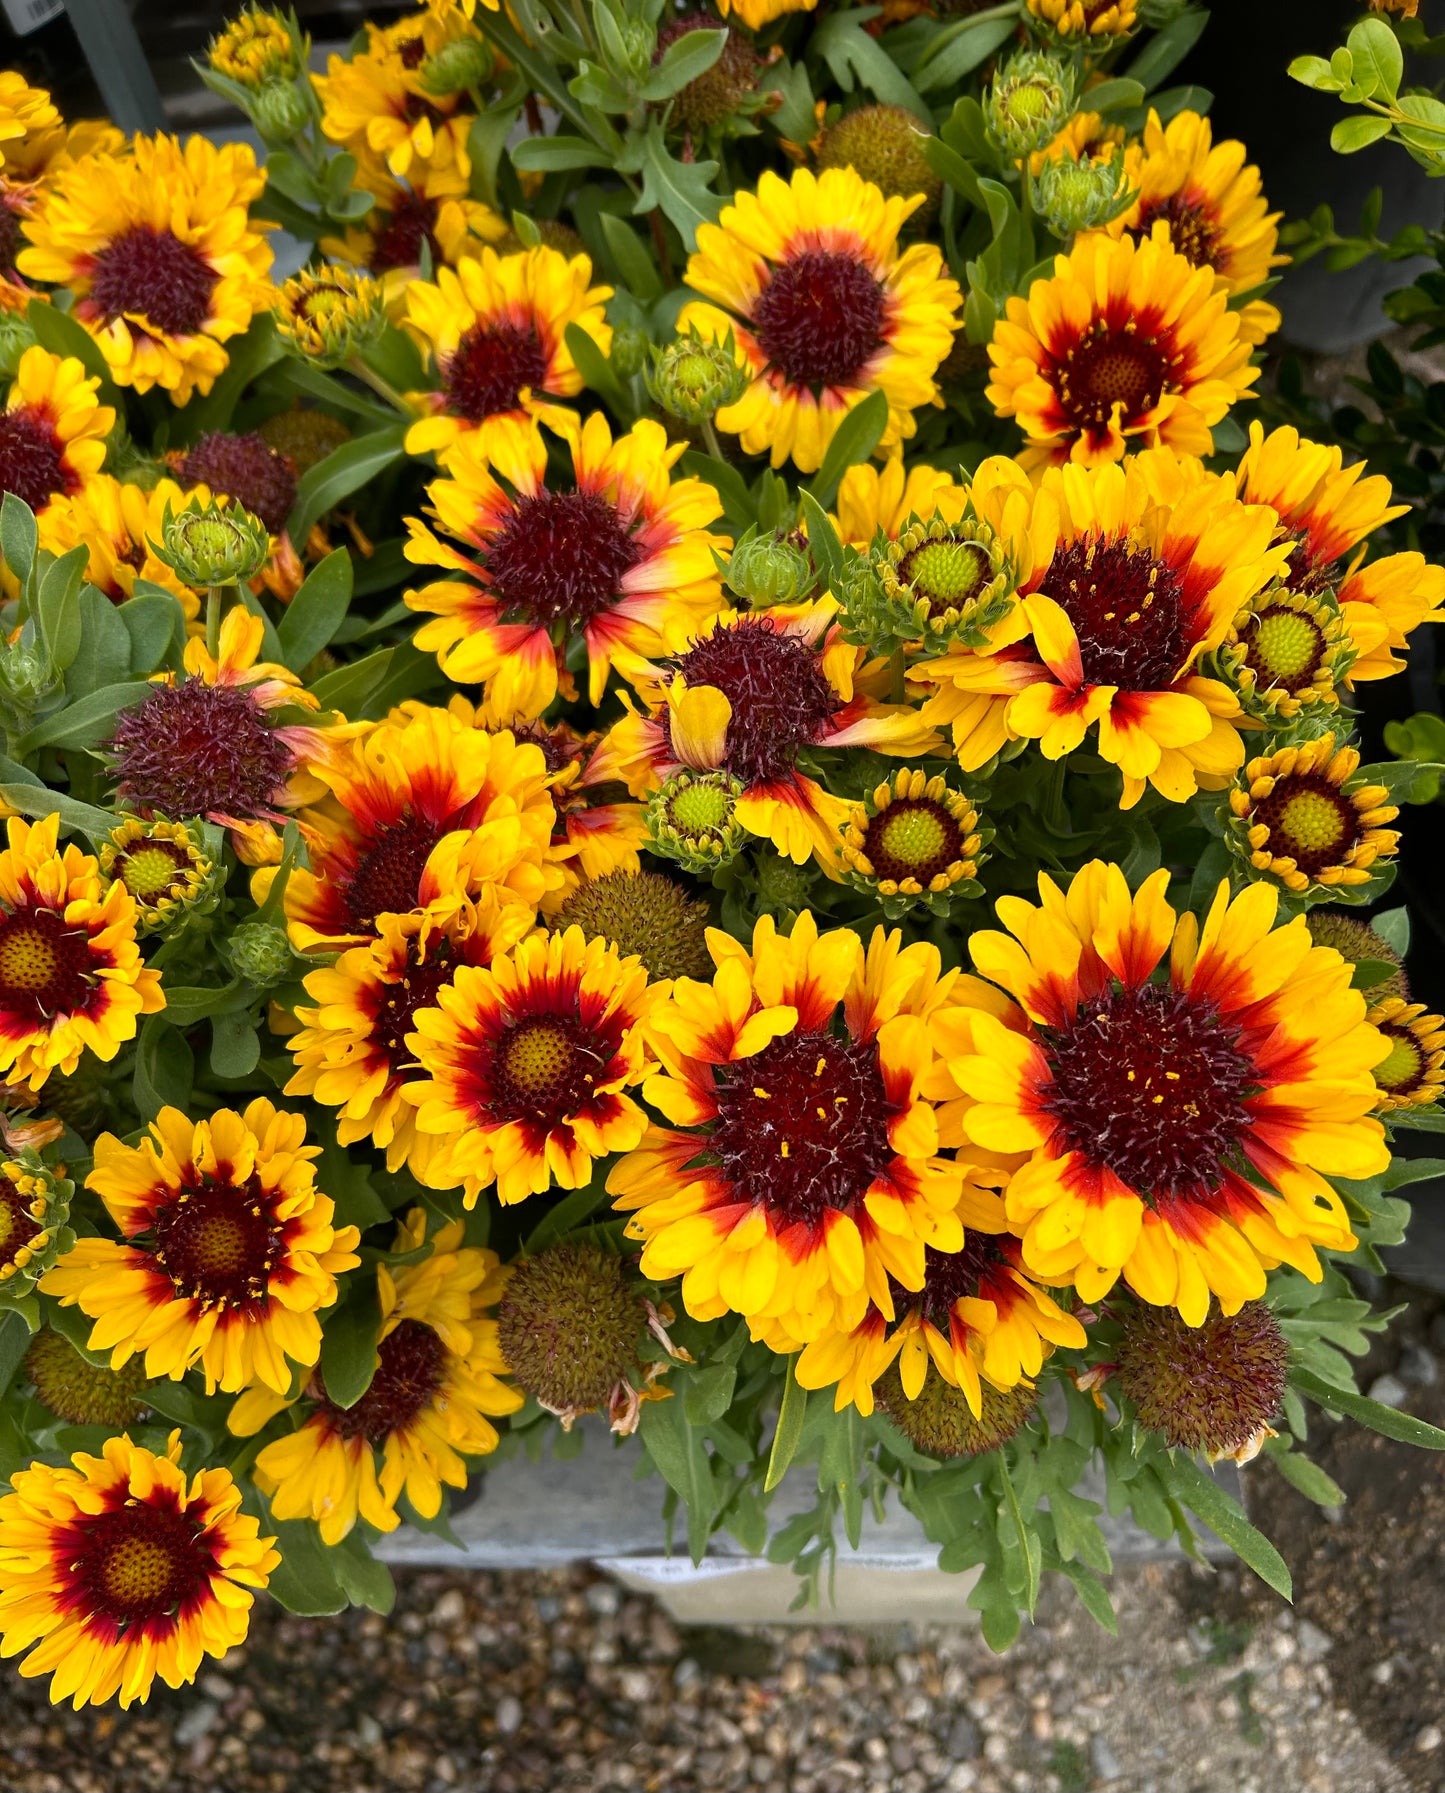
(762,810)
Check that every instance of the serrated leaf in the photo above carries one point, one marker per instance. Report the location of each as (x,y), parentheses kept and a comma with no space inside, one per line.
(709,1392)
(856,59)
(1225,1518)
(682,190)
(685,58)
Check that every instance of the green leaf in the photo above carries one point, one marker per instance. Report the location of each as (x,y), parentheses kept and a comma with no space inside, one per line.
(246,357)
(76,1328)
(1302,1473)
(1167,49)
(681,190)
(710,1392)
(1393,927)
(344,471)
(314,615)
(19,536)
(956,52)
(951,168)
(349,688)
(791,1415)
(104,645)
(1115,96)
(685,58)
(1313,71)
(557,155)
(853,441)
(1094,1597)
(154,620)
(363,1580)
(856,58)
(14,1343)
(305,1580)
(634,264)
(1379,62)
(488,136)
(75,818)
(235,1046)
(1225,1517)
(1351,134)
(188,1003)
(87,721)
(62,334)
(680,1454)
(568,1212)
(1389,1422)
(58,605)
(726,481)
(348,1344)
(164,1068)
(596,370)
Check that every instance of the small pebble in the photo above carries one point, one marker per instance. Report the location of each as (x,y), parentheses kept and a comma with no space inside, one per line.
(1418,1367)
(1427,1738)
(509,1714)
(198,1722)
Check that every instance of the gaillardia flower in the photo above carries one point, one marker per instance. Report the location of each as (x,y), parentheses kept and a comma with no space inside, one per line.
(1326,511)
(746,698)
(528,1064)
(1302,815)
(1085,18)
(119,524)
(801,1170)
(1211,1388)
(495,330)
(1176,1122)
(621,559)
(244,468)
(156,247)
(376,103)
(1413,1074)
(71,975)
(227,1249)
(52,430)
(121,1569)
(352,1054)
(978,1318)
(437,1380)
(911,841)
(432,210)
(329,314)
(645,914)
(34,1211)
(162,866)
(255,47)
(824,309)
(1210,204)
(1137,571)
(416,810)
(1126,346)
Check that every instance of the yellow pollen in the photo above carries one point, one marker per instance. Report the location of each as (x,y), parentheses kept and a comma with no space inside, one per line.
(761,1093)
(537,1057)
(785,1148)
(149,872)
(1311,822)
(137,1569)
(27,960)
(820,1067)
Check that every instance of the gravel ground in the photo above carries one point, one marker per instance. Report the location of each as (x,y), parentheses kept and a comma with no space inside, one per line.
(510,1683)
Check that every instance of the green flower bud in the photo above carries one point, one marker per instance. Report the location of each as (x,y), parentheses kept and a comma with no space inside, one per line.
(280,112)
(213,544)
(692,818)
(464,62)
(34,1210)
(16,337)
(939,583)
(1031,100)
(27,678)
(1077,193)
(782,884)
(638,41)
(629,350)
(261,952)
(694,378)
(884,144)
(769,569)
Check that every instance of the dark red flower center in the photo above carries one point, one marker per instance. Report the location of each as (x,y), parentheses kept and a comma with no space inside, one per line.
(17,1225)
(135,1565)
(195,749)
(802,1126)
(775,684)
(492,364)
(560,558)
(45,967)
(397,242)
(386,878)
(1191,230)
(544,1068)
(1110,366)
(1128,611)
(152,274)
(913,838)
(1310,820)
(32,465)
(1151,1083)
(820,318)
(410,1371)
(10,242)
(415,988)
(219,1242)
(245,468)
(557,750)
(950,1277)
(1306,574)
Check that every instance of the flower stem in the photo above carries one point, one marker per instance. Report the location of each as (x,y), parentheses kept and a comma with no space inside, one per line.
(382,388)
(215,604)
(709,436)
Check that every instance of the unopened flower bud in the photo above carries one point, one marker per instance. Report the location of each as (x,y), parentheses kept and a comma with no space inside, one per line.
(1031,100)
(694,378)
(1080,193)
(213,544)
(629,350)
(769,569)
(692,818)
(280,112)
(16,336)
(329,314)
(261,952)
(257,47)
(464,62)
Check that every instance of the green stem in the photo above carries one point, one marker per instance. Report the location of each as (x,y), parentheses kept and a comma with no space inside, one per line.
(215,608)
(382,388)
(709,436)
(898,691)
